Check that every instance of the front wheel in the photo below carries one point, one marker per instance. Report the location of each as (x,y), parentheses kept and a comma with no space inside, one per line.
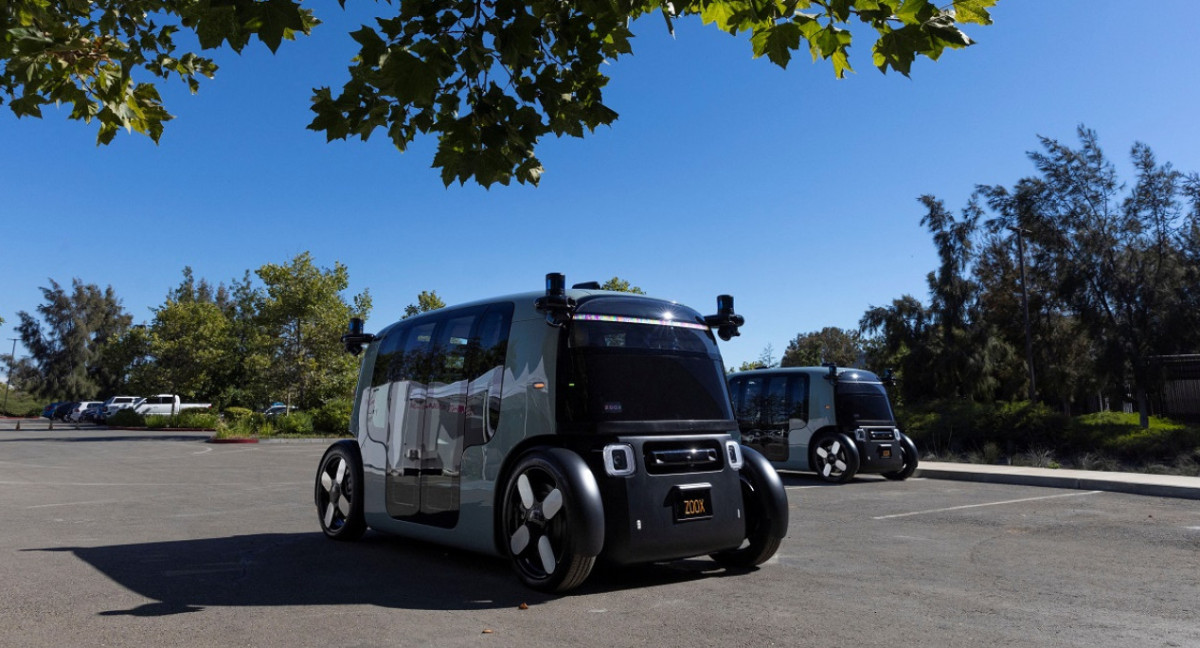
(339,492)
(541,525)
(908,450)
(835,458)
(764,501)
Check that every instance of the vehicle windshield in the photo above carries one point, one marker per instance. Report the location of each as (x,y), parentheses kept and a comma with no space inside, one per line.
(654,363)
(863,404)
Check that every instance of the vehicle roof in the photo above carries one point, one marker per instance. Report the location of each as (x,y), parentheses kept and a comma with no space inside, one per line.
(851,374)
(525,304)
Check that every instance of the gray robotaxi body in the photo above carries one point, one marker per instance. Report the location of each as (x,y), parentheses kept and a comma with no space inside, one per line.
(553,429)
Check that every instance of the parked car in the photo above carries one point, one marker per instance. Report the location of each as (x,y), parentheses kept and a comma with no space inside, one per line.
(60,412)
(48,410)
(116,403)
(75,415)
(165,405)
(91,414)
(835,421)
(277,409)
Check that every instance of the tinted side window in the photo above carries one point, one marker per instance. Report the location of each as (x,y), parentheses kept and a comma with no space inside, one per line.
(775,404)
(450,361)
(749,400)
(485,369)
(798,397)
(389,362)
(418,359)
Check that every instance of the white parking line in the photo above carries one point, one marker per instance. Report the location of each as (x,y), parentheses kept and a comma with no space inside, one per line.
(968,506)
(37,506)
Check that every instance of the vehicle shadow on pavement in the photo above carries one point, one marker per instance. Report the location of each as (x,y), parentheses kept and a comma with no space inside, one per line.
(308,569)
(811,479)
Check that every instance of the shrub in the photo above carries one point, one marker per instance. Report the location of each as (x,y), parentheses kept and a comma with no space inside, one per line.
(295,423)
(235,412)
(199,418)
(158,421)
(333,417)
(253,424)
(1121,434)
(126,418)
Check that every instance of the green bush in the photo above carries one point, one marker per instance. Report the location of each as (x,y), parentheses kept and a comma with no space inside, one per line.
(158,421)
(126,418)
(983,429)
(333,417)
(235,412)
(250,425)
(294,423)
(196,417)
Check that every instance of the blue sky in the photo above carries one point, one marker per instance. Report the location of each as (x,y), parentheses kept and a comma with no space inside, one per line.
(789,189)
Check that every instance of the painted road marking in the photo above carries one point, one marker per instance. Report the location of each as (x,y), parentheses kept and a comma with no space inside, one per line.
(969,506)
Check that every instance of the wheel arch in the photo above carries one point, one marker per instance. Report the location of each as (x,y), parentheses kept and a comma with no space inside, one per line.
(762,475)
(583,484)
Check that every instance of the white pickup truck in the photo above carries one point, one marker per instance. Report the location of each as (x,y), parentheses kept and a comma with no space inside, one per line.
(165,405)
(116,404)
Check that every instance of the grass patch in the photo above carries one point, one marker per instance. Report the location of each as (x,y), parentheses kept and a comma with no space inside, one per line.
(1032,435)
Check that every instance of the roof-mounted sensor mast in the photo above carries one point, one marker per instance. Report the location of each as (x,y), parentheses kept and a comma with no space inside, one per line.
(355,339)
(725,321)
(556,305)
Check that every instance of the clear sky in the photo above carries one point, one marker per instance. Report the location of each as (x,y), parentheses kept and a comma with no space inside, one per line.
(789,189)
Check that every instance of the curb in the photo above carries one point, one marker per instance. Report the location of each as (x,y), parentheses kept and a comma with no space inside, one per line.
(1131,483)
(232,440)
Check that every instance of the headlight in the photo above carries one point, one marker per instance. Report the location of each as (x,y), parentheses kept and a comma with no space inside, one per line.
(733,451)
(860,434)
(618,460)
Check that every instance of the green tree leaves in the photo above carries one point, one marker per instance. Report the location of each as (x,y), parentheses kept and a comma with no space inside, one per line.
(620,285)
(248,344)
(426,301)
(487,79)
(90,55)
(67,341)
(830,344)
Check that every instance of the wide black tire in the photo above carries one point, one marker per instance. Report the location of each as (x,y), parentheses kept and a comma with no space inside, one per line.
(545,523)
(764,501)
(908,450)
(339,492)
(834,457)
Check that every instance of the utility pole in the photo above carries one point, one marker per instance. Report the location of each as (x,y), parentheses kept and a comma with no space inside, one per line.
(7,381)
(1020,232)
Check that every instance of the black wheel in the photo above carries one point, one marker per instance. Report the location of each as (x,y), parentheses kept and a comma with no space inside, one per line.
(339,492)
(908,450)
(834,457)
(540,512)
(764,502)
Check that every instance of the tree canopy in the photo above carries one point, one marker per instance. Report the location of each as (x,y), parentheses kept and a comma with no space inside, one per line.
(830,344)
(487,78)
(247,344)
(67,341)
(1111,281)
(620,285)
(426,301)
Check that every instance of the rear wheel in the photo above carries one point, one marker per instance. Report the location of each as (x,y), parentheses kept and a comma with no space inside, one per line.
(540,512)
(339,492)
(908,450)
(834,457)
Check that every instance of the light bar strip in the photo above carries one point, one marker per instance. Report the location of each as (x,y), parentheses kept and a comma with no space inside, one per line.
(589,317)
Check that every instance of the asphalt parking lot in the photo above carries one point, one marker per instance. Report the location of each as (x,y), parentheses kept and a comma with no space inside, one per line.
(119,538)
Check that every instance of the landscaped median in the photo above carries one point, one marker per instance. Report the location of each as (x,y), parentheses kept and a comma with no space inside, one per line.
(235,424)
